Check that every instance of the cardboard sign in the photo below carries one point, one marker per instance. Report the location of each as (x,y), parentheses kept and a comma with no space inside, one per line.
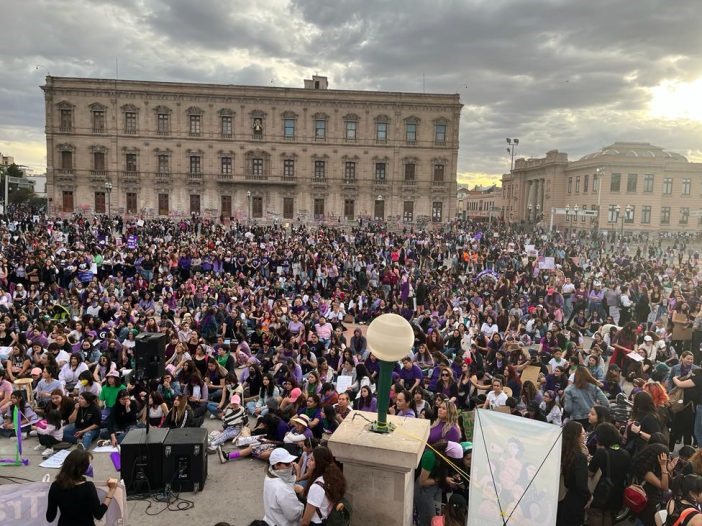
(531,373)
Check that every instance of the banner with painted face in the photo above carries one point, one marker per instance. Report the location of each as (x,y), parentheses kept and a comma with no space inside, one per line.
(515,471)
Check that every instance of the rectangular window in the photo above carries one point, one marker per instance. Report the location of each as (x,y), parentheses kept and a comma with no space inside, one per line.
(631,182)
(595,183)
(684,215)
(349,209)
(379,209)
(226,124)
(194,204)
(381,132)
(411,133)
(648,183)
(686,186)
(612,214)
(409,172)
(380,170)
(629,214)
(130,162)
(131,202)
(257,167)
(99,202)
(257,206)
(195,164)
(436,211)
(288,168)
(289,128)
(99,161)
(586,183)
(668,186)
(99,121)
(163,163)
(570,185)
(577,184)
(163,208)
(288,208)
(438,173)
(226,165)
(440,134)
(408,211)
(615,183)
(665,215)
(319,208)
(351,130)
(66,120)
(194,128)
(320,169)
(67,201)
(130,122)
(226,202)
(163,124)
(350,171)
(646,215)
(320,129)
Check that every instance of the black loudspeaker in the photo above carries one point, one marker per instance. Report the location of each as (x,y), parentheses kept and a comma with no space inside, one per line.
(185,459)
(142,460)
(149,355)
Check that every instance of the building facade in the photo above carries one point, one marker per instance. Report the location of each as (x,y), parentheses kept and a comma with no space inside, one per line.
(482,202)
(624,188)
(169,149)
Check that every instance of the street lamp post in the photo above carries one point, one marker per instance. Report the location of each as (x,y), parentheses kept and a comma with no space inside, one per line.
(462,214)
(248,195)
(375,214)
(108,190)
(513,143)
(390,338)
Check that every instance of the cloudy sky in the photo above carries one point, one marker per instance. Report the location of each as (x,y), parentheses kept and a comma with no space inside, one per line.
(573,75)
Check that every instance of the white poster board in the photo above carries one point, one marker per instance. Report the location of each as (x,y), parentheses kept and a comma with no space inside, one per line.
(343,383)
(510,449)
(531,251)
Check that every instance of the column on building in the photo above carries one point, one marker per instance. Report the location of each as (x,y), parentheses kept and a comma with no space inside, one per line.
(530,199)
(542,183)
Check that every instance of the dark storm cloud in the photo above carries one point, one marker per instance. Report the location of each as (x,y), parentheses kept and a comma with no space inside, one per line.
(566,74)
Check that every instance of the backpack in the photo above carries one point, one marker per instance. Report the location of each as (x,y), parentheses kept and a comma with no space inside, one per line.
(603,490)
(340,514)
(683,518)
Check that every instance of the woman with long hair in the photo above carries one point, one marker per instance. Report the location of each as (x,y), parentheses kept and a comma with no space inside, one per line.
(651,468)
(180,415)
(366,401)
(550,407)
(644,422)
(75,497)
(155,410)
(571,508)
(434,477)
(446,384)
(582,395)
(597,415)
(326,489)
(445,427)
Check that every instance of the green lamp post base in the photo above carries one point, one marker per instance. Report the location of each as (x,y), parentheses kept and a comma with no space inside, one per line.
(382,427)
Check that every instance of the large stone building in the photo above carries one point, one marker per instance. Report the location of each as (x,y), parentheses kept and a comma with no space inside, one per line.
(625,187)
(158,149)
(482,202)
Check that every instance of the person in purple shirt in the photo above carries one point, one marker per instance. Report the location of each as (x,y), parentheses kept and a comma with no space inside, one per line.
(446,425)
(402,405)
(410,376)
(366,401)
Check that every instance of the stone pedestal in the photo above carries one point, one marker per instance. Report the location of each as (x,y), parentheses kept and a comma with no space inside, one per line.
(379,469)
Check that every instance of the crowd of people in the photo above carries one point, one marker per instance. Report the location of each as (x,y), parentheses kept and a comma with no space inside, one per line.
(263,324)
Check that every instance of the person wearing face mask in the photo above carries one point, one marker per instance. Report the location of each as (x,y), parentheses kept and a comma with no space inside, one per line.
(280,503)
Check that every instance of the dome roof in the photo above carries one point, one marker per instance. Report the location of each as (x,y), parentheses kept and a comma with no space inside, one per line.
(634,149)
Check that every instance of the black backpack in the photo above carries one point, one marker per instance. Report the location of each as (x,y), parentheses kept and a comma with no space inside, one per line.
(603,490)
(340,514)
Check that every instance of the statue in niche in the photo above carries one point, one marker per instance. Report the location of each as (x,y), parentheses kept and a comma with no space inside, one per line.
(258,125)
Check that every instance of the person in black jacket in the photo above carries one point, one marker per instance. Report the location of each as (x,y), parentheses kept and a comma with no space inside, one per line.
(75,497)
(180,415)
(84,422)
(614,462)
(571,506)
(123,417)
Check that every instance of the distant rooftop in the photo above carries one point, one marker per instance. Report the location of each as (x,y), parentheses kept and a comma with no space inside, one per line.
(634,149)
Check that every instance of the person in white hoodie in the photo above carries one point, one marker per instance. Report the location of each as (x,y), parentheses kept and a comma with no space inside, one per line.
(281,506)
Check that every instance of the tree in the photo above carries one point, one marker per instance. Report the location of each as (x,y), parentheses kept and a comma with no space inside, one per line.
(14,171)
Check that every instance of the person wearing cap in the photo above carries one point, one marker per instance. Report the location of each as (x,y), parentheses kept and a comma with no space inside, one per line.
(648,349)
(299,431)
(435,477)
(233,421)
(281,507)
